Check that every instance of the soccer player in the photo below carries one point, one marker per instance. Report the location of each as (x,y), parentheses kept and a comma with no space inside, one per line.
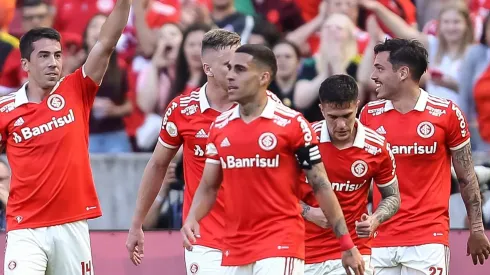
(186,122)
(353,156)
(426,134)
(253,150)
(44,127)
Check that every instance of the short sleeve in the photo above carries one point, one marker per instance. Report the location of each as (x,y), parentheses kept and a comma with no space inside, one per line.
(212,154)
(386,173)
(304,142)
(457,132)
(170,136)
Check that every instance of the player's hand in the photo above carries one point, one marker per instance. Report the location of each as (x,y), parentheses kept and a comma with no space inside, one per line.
(367,226)
(190,231)
(478,247)
(352,260)
(134,245)
(316,216)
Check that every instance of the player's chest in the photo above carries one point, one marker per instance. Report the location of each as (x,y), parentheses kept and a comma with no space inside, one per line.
(415,136)
(261,140)
(349,170)
(46,122)
(195,132)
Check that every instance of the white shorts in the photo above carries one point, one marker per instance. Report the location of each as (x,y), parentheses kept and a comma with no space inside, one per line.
(54,250)
(203,260)
(269,266)
(428,259)
(334,267)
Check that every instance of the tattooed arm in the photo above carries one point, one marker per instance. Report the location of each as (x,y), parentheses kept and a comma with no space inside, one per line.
(390,202)
(314,215)
(468,184)
(478,244)
(317,177)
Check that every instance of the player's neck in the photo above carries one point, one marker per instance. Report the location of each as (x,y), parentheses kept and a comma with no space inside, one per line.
(217,97)
(344,144)
(253,109)
(35,93)
(406,99)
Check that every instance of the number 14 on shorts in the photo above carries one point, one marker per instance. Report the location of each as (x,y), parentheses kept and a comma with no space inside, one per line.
(86,268)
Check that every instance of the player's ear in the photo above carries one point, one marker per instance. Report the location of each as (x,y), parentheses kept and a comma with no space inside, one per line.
(265,78)
(207,69)
(25,64)
(404,72)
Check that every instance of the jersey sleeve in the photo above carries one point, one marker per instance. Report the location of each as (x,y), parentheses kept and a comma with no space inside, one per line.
(386,173)
(305,142)
(457,132)
(363,116)
(212,154)
(170,136)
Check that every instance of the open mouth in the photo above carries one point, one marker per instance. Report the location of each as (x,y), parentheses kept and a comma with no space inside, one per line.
(378,85)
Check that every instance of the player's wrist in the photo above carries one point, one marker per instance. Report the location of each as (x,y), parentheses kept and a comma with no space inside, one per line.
(346,242)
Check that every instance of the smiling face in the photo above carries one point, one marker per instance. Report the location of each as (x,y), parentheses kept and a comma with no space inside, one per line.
(386,78)
(45,63)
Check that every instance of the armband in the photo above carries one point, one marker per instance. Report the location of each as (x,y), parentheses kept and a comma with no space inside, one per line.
(308,156)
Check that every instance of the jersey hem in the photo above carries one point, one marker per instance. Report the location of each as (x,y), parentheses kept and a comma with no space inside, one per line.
(166,145)
(460,145)
(212,161)
(417,243)
(238,262)
(55,223)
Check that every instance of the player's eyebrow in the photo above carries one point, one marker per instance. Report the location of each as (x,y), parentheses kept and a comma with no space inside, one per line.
(377,65)
(48,52)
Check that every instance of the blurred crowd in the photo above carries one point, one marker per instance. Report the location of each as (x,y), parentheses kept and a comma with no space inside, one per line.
(158,56)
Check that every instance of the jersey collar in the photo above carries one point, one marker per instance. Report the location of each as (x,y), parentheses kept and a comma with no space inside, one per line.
(419,106)
(268,111)
(203,99)
(358,140)
(21,96)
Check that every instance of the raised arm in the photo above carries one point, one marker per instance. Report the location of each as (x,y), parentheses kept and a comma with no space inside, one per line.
(98,58)
(478,245)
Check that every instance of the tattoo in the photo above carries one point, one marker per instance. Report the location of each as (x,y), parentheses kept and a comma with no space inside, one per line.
(306,208)
(390,202)
(317,177)
(468,185)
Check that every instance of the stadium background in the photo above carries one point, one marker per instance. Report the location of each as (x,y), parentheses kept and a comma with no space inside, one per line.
(143,83)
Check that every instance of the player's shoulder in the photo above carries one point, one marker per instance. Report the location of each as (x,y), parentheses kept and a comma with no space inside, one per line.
(437,106)
(7,102)
(374,143)
(317,126)
(374,108)
(274,97)
(284,111)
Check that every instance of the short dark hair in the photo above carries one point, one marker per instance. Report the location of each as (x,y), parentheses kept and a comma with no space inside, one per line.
(219,39)
(27,40)
(404,52)
(33,3)
(338,89)
(262,55)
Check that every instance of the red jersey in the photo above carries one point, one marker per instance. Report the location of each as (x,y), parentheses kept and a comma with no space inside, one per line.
(47,148)
(260,179)
(422,152)
(351,171)
(186,122)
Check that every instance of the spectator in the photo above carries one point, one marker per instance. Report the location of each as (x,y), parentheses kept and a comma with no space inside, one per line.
(474,83)
(288,69)
(284,15)
(264,33)
(35,13)
(154,82)
(226,17)
(446,50)
(338,54)
(107,132)
(4,191)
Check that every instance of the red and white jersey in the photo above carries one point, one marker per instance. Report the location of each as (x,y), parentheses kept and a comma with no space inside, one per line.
(351,171)
(260,179)
(47,148)
(421,141)
(186,122)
